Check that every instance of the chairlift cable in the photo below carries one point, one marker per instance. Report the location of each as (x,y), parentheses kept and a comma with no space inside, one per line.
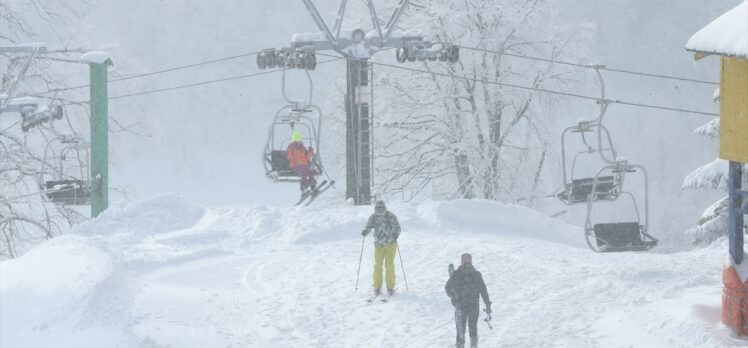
(542,90)
(157,72)
(591,66)
(194,84)
(9,127)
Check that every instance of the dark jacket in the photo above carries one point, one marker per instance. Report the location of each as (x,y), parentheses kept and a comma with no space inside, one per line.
(465,286)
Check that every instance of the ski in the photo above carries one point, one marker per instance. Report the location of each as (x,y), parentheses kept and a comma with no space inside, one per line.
(319,190)
(309,193)
(372,298)
(304,196)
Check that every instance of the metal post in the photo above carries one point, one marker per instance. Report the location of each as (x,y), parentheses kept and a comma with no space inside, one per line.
(736,211)
(358,132)
(358,46)
(99,135)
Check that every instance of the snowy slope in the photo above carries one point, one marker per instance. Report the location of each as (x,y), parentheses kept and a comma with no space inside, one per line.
(167,273)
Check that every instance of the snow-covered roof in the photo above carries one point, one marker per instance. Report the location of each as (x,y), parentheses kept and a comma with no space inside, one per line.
(727,35)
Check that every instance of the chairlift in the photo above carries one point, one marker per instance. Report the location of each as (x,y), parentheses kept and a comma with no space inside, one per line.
(295,116)
(34,111)
(625,235)
(610,236)
(305,119)
(68,181)
(579,190)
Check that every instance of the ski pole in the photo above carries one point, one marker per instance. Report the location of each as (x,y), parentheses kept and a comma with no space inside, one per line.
(402,266)
(363,239)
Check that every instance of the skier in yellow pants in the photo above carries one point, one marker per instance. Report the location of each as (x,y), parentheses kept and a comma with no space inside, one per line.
(386,231)
(385,256)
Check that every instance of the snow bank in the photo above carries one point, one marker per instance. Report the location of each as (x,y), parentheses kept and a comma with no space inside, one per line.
(466,216)
(73,290)
(726,35)
(158,215)
(51,285)
(164,272)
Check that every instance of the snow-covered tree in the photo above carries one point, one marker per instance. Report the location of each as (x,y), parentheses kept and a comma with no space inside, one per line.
(28,158)
(458,137)
(712,176)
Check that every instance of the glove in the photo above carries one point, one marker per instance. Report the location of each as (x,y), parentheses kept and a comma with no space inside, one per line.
(364,232)
(310,149)
(488,307)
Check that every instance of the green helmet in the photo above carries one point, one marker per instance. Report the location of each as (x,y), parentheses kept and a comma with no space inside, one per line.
(296,136)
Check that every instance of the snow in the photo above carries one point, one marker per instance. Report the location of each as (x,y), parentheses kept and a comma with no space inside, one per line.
(26,47)
(726,35)
(711,176)
(348,34)
(96,57)
(307,37)
(399,34)
(35,101)
(492,217)
(709,129)
(164,272)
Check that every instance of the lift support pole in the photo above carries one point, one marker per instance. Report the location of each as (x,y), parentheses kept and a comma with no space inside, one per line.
(358,46)
(99,62)
(737,211)
(359,125)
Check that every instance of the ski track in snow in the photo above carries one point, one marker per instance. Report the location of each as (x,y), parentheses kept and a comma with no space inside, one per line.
(255,276)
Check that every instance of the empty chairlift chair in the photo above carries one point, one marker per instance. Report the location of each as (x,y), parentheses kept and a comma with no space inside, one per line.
(69,182)
(625,235)
(579,190)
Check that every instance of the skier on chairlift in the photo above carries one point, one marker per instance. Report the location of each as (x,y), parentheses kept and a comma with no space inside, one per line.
(300,160)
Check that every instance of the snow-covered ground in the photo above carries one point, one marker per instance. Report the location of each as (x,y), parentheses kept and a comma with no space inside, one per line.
(167,273)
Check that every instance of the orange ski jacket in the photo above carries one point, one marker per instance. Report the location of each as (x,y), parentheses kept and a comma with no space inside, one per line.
(298,155)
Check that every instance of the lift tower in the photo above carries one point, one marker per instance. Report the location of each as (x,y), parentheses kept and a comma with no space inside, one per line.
(357,46)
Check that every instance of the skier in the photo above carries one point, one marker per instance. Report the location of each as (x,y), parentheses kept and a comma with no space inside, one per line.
(386,231)
(464,287)
(299,159)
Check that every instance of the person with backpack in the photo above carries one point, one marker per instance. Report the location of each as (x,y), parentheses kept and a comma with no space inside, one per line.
(386,231)
(464,288)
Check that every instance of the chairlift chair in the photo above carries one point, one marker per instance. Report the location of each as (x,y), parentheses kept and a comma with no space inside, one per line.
(625,235)
(580,190)
(70,181)
(305,119)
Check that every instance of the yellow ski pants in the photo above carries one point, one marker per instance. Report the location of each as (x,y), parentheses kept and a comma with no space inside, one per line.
(385,255)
